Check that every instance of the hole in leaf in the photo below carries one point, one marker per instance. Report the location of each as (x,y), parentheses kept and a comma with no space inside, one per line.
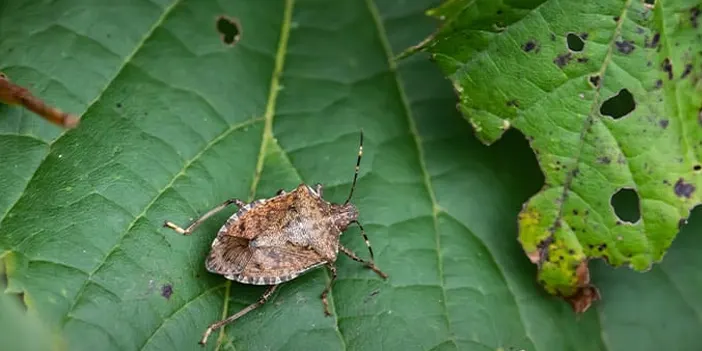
(619,105)
(697,167)
(575,43)
(650,2)
(626,205)
(229,30)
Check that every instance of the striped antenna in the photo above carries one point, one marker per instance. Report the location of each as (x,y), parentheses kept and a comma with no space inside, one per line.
(358,167)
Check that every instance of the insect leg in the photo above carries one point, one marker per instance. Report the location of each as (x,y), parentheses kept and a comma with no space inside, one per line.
(370,265)
(214,326)
(204,217)
(365,238)
(327,289)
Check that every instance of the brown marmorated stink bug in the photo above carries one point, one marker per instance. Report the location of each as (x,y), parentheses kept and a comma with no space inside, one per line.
(271,241)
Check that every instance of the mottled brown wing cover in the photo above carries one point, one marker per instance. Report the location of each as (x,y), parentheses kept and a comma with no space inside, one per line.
(275,240)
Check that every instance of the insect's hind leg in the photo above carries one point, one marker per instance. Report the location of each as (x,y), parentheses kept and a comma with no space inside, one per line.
(327,289)
(214,326)
(368,264)
(197,222)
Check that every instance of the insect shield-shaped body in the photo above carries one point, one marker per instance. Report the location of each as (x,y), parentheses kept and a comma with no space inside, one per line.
(271,241)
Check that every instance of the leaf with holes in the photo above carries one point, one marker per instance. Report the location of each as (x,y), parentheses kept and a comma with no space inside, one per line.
(609,95)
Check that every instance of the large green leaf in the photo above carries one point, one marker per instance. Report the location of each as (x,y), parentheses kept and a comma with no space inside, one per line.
(610,97)
(176,122)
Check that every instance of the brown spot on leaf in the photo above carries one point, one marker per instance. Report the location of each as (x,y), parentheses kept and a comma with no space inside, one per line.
(563,59)
(513,103)
(686,71)
(667,67)
(167,291)
(586,293)
(582,59)
(595,80)
(659,83)
(694,15)
(625,46)
(663,123)
(683,189)
(530,45)
(654,41)
(616,18)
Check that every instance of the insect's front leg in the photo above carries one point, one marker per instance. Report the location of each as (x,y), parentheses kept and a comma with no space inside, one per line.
(368,264)
(197,222)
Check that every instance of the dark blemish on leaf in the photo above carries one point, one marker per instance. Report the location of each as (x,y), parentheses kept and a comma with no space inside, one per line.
(639,30)
(370,296)
(553,37)
(595,81)
(167,291)
(530,45)
(621,160)
(694,14)
(663,123)
(575,172)
(575,212)
(602,247)
(574,42)
(625,46)
(582,59)
(604,160)
(563,59)
(119,105)
(681,223)
(560,258)
(618,222)
(666,182)
(683,189)
(616,18)
(667,67)
(513,103)
(229,30)
(686,71)
(571,252)
(659,83)
(654,41)
(584,35)
(619,105)
(590,246)
(697,167)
